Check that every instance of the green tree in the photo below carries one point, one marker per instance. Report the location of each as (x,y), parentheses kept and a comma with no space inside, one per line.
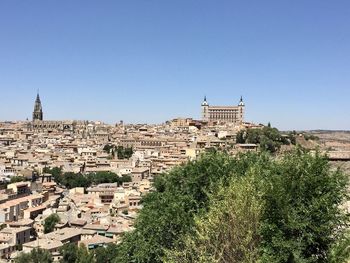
(102,255)
(37,255)
(72,180)
(56,172)
(106,254)
(292,137)
(340,251)
(23,258)
(240,137)
(229,232)
(106,177)
(84,255)
(124,179)
(302,217)
(107,148)
(253,136)
(15,179)
(269,139)
(168,213)
(286,209)
(267,144)
(113,153)
(124,153)
(69,253)
(50,222)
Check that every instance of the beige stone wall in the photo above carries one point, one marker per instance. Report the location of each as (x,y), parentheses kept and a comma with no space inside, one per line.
(226,114)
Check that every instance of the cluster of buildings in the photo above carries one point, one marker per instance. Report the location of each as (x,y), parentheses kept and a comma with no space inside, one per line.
(99,214)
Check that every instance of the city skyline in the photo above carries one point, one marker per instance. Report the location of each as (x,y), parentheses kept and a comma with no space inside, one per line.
(151,62)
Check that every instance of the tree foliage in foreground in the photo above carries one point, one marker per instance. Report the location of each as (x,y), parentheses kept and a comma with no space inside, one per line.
(250,208)
(229,232)
(71,253)
(37,255)
(340,250)
(302,216)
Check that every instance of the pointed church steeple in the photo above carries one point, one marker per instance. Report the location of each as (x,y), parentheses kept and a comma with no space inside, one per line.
(38,110)
(205,103)
(241,103)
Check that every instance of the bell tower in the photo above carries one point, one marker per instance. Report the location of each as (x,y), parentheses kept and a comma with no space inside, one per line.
(38,110)
(241,107)
(205,109)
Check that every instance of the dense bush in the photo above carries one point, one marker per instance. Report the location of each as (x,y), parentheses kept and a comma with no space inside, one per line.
(168,213)
(251,208)
(229,232)
(302,216)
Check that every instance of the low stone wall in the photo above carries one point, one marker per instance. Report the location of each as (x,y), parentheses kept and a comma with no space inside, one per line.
(339,155)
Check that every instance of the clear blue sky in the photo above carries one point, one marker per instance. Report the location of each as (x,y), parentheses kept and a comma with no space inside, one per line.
(150,61)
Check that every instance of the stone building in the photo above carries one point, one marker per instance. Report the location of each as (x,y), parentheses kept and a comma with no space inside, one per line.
(76,126)
(223,114)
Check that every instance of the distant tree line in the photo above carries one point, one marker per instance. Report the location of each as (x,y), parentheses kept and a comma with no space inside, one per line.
(119,151)
(72,180)
(268,138)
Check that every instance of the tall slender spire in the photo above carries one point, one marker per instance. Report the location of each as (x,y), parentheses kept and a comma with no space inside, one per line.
(38,110)
(241,103)
(205,103)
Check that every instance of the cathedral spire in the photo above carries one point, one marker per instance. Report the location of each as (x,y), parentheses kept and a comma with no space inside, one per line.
(37,98)
(38,110)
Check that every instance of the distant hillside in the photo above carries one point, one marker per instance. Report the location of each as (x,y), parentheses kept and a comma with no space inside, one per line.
(334,140)
(308,144)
